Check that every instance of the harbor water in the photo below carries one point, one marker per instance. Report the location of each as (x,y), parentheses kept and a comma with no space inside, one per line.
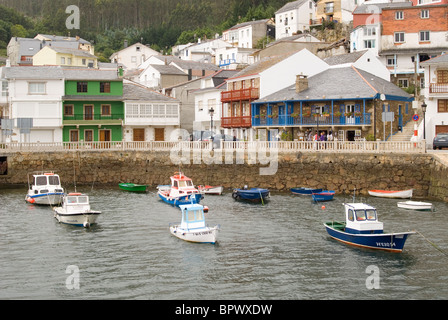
(279,250)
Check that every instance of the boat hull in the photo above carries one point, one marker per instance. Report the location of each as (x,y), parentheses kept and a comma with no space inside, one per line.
(188,199)
(252,195)
(391,194)
(305,191)
(393,242)
(80,219)
(416,205)
(211,190)
(200,235)
(133,187)
(323,196)
(53,198)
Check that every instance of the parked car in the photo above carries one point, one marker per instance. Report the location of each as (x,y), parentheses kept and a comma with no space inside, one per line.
(225,137)
(440,141)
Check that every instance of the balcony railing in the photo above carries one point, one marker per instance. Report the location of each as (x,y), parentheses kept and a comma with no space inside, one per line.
(288,120)
(236,122)
(242,94)
(438,88)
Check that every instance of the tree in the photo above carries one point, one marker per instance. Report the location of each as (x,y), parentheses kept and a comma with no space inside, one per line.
(18,30)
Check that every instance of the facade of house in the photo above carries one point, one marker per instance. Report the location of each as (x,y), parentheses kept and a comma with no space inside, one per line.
(149,115)
(293,17)
(202,51)
(435,97)
(34,103)
(336,10)
(159,76)
(346,101)
(232,57)
(92,105)
(247,34)
(259,80)
(132,56)
(66,57)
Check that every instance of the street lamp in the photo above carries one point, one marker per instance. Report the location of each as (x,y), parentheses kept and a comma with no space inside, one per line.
(424,124)
(211,111)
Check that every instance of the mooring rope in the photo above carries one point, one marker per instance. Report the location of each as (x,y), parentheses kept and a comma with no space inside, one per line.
(431,243)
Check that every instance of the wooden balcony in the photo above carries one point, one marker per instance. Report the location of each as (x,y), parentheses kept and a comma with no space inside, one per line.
(237,95)
(236,122)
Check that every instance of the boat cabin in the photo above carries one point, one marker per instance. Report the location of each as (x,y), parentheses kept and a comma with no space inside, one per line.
(182,184)
(76,202)
(361,218)
(41,183)
(192,216)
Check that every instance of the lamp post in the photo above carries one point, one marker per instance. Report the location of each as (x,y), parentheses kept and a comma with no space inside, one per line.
(317,115)
(211,111)
(424,124)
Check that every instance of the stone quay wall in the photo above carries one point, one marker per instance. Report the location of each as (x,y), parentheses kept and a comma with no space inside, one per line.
(342,172)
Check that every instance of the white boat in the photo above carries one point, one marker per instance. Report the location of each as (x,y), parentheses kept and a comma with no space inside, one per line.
(45,188)
(192,227)
(211,189)
(391,194)
(181,191)
(416,205)
(75,210)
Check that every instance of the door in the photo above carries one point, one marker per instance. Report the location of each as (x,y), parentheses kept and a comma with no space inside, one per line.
(74,136)
(139,134)
(105,136)
(441,129)
(159,134)
(88,112)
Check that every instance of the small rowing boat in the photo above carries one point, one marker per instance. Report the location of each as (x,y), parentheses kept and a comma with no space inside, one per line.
(416,205)
(133,187)
(391,193)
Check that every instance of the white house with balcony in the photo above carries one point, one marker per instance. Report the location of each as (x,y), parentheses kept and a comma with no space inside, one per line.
(149,115)
(293,17)
(435,97)
(232,57)
(35,103)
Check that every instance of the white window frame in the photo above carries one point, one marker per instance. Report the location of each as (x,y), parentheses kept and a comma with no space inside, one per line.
(424,36)
(37,87)
(424,14)
(399,15)
(401,34)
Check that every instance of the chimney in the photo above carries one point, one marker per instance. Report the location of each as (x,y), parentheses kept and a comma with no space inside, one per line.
(301,83)
(125,43)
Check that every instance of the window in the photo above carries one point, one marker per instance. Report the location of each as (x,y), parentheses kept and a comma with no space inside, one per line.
(442,105)
(88,135)
(424,36)
(399,37)
(4,88)
(137,48)
(403,83)
(36,87)
(83,62)
(81,86)
(105,109)
(390,60)
(399,15)
(62,60)
(369,43)
(200,107)
(68,110)
(74,135)
(369,31)
(69,61)
(105,87)
(424,14)
(329,7)
(442,76)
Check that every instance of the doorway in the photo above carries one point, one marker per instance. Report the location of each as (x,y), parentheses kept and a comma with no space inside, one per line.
(88,112)
(138,134)
(159,134)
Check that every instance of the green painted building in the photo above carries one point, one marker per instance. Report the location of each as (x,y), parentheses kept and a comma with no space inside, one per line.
(93,108)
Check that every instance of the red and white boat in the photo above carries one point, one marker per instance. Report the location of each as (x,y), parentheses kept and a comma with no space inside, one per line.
(211,189)
(391,194)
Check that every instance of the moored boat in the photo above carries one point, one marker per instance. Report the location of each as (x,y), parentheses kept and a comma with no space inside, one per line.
(325,195)
(192,227)
(416,205)
(216,190)
(391,193)
(133,187)
(45,188)
(75,210)
(252,194)
(305,191)
(362,228)
(180,192)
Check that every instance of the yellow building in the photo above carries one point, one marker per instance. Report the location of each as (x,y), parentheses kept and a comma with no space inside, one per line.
(329,10)
(58,56)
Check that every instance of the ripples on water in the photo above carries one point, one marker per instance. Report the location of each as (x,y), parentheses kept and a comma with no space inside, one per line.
(277,251)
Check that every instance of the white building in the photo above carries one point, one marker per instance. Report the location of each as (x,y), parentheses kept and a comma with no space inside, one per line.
(435,97)
(247,34)
(35,103)
(231,57)
(131,57)
(294,17)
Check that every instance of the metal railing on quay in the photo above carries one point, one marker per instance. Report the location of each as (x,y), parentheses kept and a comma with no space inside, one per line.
(168,146)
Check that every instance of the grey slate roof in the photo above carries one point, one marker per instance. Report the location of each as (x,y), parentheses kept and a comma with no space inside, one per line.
(64,38)
(28,47)
(187,64)
(90,74)
(378,7)
(168,70)
(76,52)
(40,72)
(442,59)
(342,83)
(248,23)
(344,58)
(291,6)
(134,91)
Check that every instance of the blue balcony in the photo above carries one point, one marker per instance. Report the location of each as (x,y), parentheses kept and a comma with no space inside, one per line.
(307,120)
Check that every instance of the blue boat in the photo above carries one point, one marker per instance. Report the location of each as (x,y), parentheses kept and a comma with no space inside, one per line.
(305,191)
(323,196)
(252,194)
(363,229)
(180,192)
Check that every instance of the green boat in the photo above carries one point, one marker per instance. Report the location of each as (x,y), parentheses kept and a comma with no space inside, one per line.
(133,187)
